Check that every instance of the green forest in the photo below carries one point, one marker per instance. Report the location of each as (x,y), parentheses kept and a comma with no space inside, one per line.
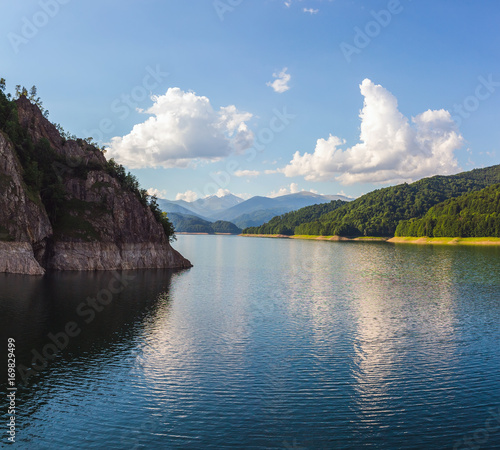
(379,212)
(475,214)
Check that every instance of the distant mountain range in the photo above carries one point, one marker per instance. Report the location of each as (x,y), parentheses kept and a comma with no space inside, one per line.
(245,213)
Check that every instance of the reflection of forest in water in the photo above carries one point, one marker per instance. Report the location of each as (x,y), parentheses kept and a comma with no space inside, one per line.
(105,310)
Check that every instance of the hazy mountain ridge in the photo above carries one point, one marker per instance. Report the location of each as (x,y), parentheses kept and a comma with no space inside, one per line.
(184,223)
(170,207)
(202,207)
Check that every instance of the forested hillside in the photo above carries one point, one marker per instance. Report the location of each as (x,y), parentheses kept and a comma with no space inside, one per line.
(475,214)
(378,213)
(286,223)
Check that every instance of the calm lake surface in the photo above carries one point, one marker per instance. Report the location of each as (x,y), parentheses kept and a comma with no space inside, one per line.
(264,343)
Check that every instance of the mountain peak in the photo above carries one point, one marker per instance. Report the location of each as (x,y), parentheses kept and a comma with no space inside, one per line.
(225,194)
(304,194)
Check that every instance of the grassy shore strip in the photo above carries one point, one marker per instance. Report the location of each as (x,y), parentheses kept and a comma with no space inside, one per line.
(265,235)
(187,232)
(340,238)
(446,240)
(319,238)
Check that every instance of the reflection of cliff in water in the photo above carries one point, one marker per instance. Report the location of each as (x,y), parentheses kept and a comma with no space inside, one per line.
(32,308)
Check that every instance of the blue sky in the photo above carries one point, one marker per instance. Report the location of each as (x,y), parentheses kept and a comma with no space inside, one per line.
(183,90)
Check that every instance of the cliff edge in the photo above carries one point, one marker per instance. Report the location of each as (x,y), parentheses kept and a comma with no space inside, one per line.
(63,206)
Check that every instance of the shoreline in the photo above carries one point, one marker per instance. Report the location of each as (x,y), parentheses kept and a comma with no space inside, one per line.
(446,240)
(320,238)
(393,240)
(207,234)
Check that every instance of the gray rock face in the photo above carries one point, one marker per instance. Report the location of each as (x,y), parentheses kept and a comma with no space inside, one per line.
(24,224)
(116,215)
(109,255)
(102,227)
(39,127)
(22,212)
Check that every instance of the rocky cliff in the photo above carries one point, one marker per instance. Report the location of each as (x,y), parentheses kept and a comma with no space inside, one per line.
(62,208)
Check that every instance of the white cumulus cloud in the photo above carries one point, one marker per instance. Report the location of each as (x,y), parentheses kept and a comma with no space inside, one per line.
(247,173)
(157,193)
(188,196)
(280,84)
(311,10)
(293,188)
(221,193)
(391,149)
(183,128)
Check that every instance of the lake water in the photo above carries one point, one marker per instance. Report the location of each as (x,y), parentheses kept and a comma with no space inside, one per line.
(264,343)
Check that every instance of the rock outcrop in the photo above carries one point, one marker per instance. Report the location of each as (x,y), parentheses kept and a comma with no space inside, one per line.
(99,225)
